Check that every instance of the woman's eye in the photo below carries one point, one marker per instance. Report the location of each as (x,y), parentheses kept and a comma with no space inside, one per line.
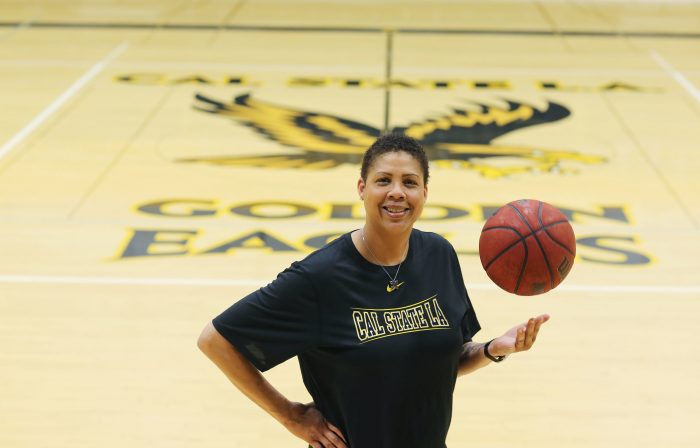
(382,180)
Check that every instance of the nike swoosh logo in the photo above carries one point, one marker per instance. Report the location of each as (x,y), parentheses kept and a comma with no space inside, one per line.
(390,289)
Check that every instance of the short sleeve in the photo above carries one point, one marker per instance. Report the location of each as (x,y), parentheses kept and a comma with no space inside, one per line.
(470,324)
(274,323)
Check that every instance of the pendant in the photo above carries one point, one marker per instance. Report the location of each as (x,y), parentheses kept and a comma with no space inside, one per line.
(393,285)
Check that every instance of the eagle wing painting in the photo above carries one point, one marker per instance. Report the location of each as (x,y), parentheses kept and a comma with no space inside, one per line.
(462,138)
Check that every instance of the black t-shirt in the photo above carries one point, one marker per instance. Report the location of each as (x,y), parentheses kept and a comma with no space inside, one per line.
(381,366)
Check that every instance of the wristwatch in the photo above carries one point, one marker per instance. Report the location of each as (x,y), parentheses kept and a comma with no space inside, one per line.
(490,356)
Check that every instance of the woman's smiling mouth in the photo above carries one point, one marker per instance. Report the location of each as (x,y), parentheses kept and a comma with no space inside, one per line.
(394,211)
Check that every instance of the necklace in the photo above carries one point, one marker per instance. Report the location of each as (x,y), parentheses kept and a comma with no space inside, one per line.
(393,283)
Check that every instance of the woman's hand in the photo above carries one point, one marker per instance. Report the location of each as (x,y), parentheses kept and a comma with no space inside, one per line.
(307,423)
(519,338)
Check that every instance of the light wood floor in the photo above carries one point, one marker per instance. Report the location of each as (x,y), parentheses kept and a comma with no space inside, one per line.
(128,218)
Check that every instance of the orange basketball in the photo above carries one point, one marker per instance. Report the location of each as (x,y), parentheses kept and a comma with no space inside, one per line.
(527,247)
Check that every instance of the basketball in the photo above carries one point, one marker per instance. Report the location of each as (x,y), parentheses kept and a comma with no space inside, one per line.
(527,247)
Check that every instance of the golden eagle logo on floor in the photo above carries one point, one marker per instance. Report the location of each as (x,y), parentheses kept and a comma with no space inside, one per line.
(460,139)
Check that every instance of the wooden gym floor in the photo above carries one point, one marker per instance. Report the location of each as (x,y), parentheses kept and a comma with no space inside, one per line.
(139,198)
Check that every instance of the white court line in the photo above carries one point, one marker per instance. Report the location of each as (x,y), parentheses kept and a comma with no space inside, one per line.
(76,280)
(678,76)
(155,281)
(58,102)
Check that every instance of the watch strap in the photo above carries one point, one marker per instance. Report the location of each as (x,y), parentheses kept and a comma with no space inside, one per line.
(490,356)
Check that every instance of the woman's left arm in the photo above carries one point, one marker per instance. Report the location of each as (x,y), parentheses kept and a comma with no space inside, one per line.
(517,339)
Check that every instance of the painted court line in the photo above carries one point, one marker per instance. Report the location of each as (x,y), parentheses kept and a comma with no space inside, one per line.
(358,70)
(156,281)
(677,76)
(76,280)
(60,101)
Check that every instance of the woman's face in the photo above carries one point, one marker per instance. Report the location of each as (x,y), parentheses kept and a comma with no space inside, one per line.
(394,192)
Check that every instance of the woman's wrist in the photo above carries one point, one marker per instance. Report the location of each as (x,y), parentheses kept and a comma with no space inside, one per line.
(489,352)
(285,411)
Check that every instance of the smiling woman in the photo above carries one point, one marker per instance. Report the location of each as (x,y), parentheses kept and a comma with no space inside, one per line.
(379,312)
(393,187)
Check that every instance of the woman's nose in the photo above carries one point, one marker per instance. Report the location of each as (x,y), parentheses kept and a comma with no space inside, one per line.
(397,192)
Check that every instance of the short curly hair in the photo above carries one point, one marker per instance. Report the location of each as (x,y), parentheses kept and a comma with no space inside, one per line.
(395,142)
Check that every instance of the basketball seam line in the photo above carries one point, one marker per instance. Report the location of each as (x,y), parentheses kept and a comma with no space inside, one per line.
(544,254)
(539,244)
(521,240)
(522,268)
(551,224)
(555,240)
(525,258)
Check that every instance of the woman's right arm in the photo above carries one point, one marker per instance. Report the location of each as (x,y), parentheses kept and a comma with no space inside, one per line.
(304,421)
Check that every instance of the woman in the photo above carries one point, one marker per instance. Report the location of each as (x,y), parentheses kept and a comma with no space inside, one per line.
(379,318)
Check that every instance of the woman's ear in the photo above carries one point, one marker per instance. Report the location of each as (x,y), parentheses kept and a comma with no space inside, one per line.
(361,188)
